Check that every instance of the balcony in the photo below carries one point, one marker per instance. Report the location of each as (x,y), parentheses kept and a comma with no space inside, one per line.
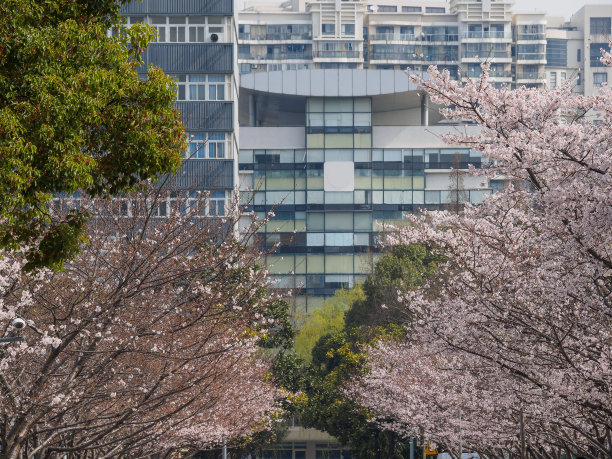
(486,54)
(531,36)
(207,116)
(207,174)
(164,7)
(530,57)
(486,34)
(495,74)
(530,76)
(275,36)
(337,54)
(190,57)
(439,37)
(393,37)
(289,55)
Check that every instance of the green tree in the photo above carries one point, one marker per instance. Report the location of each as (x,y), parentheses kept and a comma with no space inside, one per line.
(325,320)
(402,269)
(336,359)
(75,116)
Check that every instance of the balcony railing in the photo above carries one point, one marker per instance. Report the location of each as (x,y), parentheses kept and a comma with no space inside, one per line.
(485,54)
(487,34)
(531,56)
(413,37)
(335,54)
(393,36)
(395,57)
(497,74)
(531,36)
(288,55)
(275,36)
(440,37)
(531,76)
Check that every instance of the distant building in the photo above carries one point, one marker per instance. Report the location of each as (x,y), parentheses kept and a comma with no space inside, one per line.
(528,49)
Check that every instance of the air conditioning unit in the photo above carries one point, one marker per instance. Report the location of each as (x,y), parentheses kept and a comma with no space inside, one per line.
(214,37)
(254,66)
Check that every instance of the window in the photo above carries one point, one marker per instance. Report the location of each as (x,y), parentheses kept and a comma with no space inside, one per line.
(189,29)
(328,29)
(563,77)
(348,29)
(209,145)
(556,52)
(216,204)
(387,9)
(600,78)
(411,9)
(553,80)
(434,9)
(578,55)
(595,51)
(600,26)
(579,82)
(203,87)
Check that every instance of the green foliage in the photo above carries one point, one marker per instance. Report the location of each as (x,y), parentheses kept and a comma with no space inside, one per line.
(402,269)
(327,319)
(372,313)
(75,115)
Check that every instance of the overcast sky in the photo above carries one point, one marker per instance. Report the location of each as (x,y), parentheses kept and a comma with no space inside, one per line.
(563,8)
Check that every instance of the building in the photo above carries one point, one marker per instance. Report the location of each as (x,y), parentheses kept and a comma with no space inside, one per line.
(196,44)
(523,48)
(340,155)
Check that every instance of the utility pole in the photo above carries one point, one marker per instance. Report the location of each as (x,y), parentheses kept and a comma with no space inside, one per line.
(224,452)
(460,440)
(411,447)
(522,433)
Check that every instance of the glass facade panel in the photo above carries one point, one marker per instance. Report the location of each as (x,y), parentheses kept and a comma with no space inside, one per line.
(322,235)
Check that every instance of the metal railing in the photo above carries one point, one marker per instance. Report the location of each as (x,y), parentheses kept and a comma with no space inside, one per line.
(487,34)
(531,76)
(531,36)
(531,57)
(335,54)
(275,36)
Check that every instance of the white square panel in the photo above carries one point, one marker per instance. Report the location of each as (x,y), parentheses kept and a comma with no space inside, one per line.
(339,176)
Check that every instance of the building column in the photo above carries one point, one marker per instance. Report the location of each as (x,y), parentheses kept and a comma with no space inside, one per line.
(424,109)
(252,110)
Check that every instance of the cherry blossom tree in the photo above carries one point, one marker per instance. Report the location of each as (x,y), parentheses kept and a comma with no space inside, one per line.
(517,333)
(146,341)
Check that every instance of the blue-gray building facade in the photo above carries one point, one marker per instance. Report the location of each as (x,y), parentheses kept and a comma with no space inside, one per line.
(196,44)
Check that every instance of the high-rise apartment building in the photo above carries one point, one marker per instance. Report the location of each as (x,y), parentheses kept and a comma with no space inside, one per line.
(196,43)
(529,49)
(338,142)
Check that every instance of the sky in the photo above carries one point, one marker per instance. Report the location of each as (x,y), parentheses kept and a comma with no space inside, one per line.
(563,8)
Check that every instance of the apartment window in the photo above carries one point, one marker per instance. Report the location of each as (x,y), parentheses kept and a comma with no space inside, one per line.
(203,87)
(209,145)
(553,80)
(579,82)
(563,76)
(600,78)
(600,26)
(433,9)
(216,204)
(411,9)
(189,29)
(556,52)
(328,29)
(595,53)
(348,29)
(387,9)
(579,55)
